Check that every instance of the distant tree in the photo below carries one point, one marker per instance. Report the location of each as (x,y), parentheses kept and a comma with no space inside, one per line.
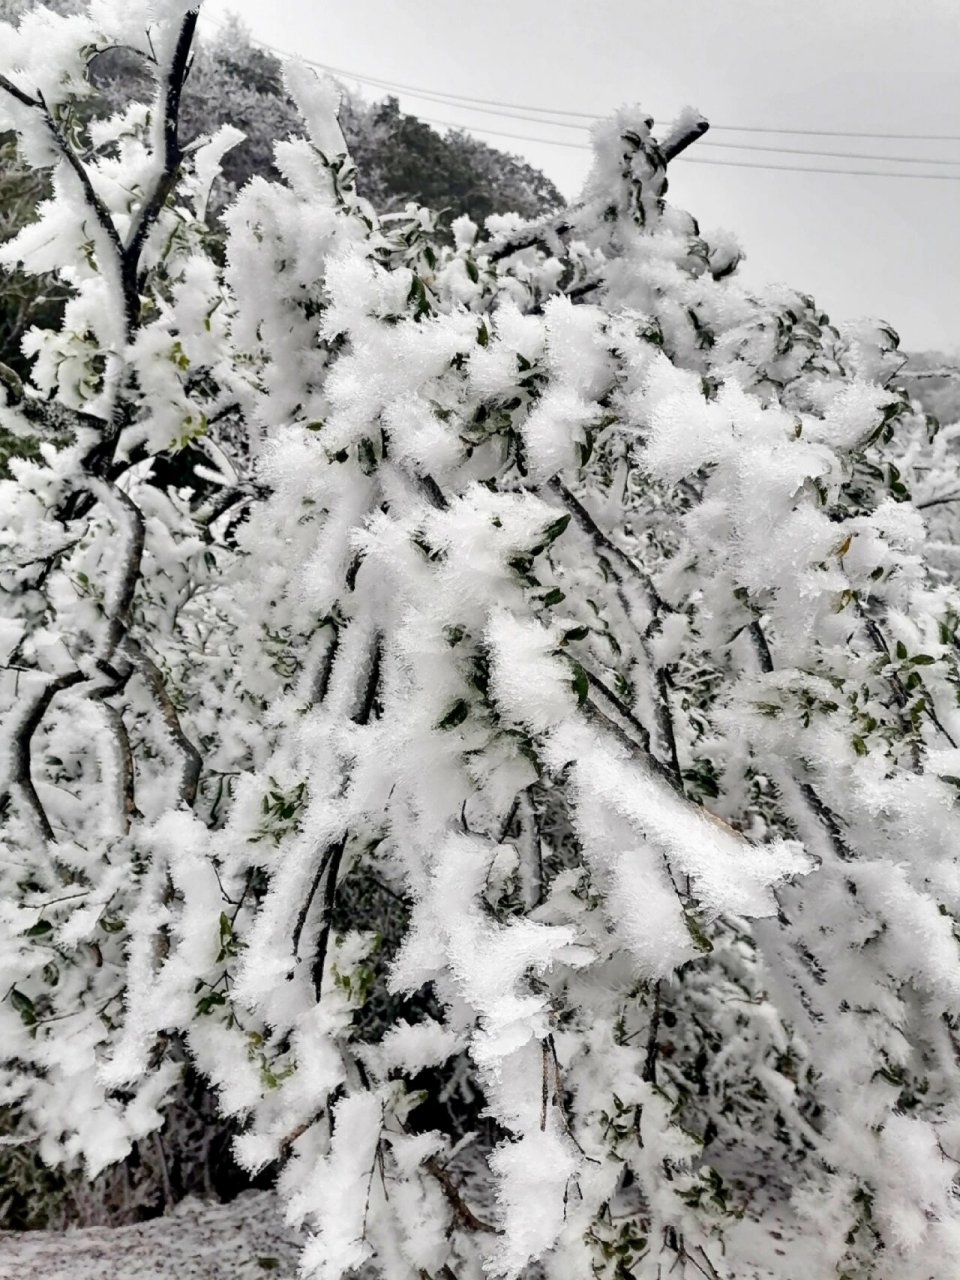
(481,705)
(400,159)
(233,81)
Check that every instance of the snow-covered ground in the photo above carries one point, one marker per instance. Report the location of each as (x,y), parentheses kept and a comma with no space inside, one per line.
(243,1240)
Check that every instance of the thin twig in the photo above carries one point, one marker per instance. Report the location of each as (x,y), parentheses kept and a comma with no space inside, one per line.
(308,901)
(461,1210)
(650,1062)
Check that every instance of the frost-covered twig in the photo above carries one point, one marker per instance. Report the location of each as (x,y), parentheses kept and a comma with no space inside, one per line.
(19,776)
(153,678)
(169,160)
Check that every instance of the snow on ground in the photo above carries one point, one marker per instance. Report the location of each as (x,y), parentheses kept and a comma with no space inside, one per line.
(243,1240)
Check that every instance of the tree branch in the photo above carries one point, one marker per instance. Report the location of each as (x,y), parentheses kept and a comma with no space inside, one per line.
(21,744)
(827,819)
(682,137)
(334,855)
(192,760)
(170,92)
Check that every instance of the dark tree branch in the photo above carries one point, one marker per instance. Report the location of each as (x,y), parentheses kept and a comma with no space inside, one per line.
(332,859)
(937,502)
(24,98)
(170,93)
(322,681)
(603,541)
(462,1212)
(21,744)
(333,856)
(153,678)
(129,572)
(624,564)
(678,140)
(532,239)
(665,725)
(827,819)
(622,710)
(97,207)
(118,729)
(650,1061)
(308,901)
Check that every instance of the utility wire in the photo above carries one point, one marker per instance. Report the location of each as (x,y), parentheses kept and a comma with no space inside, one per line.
(685,159)
(430,96)
(725,146)
(487,103)
(488,106)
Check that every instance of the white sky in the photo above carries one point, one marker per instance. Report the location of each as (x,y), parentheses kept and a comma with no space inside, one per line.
(884,247)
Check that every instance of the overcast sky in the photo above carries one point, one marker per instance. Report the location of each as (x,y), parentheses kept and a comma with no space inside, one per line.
(864,246)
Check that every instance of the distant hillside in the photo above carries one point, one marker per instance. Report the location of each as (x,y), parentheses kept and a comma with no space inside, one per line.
(232,81)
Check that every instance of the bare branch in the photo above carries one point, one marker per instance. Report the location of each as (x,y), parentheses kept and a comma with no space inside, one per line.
(679,139)
(9,87)
(461,1210)
(650,1061)
(938,502)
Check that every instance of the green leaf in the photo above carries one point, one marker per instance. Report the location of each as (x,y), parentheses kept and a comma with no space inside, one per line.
(206,1004)
(24,1006)
(575,633)
(922,660)
(700,939)
(859,746)
(585,447)
(554,530)
(39,929)
(367,456)
(418,296)
(456,715)
(554,596)
(472,271)
(581,685)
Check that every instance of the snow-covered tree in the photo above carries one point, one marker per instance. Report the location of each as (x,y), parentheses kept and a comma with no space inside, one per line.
(484,706)
(232,81)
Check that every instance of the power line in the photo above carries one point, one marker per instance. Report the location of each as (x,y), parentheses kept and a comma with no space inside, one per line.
(430,96)
(686,159)
(487,106)
(417,91)
(725,146)
(799,168)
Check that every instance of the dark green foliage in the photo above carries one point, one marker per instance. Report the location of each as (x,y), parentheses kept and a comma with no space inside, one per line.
(404,159)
